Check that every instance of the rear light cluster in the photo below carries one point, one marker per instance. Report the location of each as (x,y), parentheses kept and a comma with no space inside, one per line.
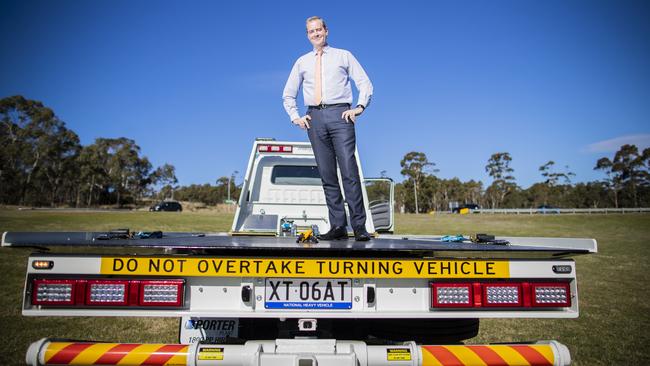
(275,148)
(488,295)
(54,292)
(64,292)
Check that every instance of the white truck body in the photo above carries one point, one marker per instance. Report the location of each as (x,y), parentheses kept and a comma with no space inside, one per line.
(243,288)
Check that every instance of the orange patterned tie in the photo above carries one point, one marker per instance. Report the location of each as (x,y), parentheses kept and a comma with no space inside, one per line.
(317,79)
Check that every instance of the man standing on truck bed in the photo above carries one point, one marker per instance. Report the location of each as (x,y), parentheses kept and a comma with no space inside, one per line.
(325,74)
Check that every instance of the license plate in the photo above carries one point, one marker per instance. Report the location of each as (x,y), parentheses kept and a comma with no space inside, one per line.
(301,293)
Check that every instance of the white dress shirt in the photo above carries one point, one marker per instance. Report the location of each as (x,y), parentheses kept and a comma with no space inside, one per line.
(338,67)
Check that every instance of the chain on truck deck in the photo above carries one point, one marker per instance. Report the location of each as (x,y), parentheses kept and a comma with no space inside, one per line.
(297,352)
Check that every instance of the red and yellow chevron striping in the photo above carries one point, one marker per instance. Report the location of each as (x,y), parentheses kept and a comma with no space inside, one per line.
(497,355)
(123,354)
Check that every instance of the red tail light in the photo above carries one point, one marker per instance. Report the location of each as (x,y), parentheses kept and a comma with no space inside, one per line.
(500,295)
(551,294)
(452,295)
(275,148)
(161,293)
(108,292)
(54,292)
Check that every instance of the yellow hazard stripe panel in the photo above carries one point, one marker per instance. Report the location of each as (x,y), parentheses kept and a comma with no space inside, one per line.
(124,354)
(483,355)
(511,356)
(545,351)
(91,354)
(139,355)
(428,359)
(54,348)
(466,355)
(296,267)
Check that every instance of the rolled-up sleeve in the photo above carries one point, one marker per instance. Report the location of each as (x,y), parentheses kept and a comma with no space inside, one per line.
(361,80)
(291,92)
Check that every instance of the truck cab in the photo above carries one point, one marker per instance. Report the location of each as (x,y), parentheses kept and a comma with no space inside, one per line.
(282,188)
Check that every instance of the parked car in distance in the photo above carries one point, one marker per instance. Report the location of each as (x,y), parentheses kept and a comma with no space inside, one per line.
(167,206)
(469,206)
(548,209)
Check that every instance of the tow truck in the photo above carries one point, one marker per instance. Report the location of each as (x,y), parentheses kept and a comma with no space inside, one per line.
(257,296)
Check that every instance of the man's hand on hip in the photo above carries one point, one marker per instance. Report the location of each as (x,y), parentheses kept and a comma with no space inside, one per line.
(303,122)
(351,114)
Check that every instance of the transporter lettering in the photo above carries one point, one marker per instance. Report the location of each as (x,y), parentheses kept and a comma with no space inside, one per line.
(211,324)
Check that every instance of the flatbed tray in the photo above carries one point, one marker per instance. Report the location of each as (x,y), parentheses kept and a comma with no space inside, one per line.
(420,245)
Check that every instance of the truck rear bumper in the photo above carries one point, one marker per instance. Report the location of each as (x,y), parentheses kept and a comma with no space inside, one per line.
(297,352)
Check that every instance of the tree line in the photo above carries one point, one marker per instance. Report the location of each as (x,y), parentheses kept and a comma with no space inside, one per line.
(627,184)
(43,163)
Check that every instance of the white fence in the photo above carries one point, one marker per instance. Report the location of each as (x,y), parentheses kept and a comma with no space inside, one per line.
(552,211)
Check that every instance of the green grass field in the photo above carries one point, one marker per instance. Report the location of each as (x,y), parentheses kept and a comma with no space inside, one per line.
(613,284)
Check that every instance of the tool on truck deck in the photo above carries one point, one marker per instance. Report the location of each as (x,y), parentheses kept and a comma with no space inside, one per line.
(453,238)
(487,239)
(307,237)
(116,234)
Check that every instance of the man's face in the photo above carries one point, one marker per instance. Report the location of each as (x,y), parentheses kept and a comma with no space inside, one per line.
(316,33)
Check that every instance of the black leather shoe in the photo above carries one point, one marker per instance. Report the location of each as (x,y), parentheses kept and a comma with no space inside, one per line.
(335,233)
(360,234)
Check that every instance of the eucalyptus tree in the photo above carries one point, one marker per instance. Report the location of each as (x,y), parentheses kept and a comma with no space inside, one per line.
(165,177)
(633,166)
(114,165)
(498,167)
(416,166)
(36,151)
(552,178)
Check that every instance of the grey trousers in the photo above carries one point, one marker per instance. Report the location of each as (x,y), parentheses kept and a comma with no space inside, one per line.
(333,140)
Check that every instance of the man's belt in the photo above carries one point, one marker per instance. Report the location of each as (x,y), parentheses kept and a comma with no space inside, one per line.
(325,106)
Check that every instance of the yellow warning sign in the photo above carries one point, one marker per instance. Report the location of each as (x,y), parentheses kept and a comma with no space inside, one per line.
(398,354)
(211,354)
(312,268)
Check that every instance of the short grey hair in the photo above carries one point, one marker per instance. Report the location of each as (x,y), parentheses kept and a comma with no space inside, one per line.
(315,17)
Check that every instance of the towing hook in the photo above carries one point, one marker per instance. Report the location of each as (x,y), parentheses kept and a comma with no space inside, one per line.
(246,294)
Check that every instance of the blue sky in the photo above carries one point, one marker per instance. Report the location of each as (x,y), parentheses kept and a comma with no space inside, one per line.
(194,82)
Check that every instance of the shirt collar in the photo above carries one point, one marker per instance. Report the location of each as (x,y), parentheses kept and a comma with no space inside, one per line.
(325,49)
